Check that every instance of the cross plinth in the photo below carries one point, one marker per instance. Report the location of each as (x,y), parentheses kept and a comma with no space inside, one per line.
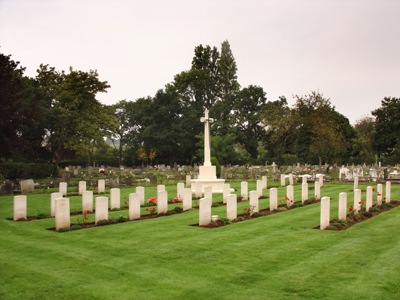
(207,152)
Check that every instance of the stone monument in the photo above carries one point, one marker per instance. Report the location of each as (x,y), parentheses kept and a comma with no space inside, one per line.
(207,172)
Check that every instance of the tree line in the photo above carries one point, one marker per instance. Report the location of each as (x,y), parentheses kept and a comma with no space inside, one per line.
(56,117)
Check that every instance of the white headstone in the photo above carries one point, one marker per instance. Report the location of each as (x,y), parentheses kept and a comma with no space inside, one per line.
(208,192)
(369,198)
(355,182)
(226,190)
(187,199)
(317,191)
(179,190)
(304,192)
(115,198)
(304,179)
(342,206)
(134,206)
(27,186)
(62,216)
(101,212)
(87,201)
(205,211)
(198,189)
(273,199)
(19,207)
(291,179)
(289,195)
(162,202)
(188,180)
(264,180)
(388,192)
(53,197)
(379,189)
(357,201)
(160,188)
(283,180)
(81,187)
(231,207)
(244,190)
(259,188)
(140,192)
(101,186)
(253,202)
(325,213)
(62,188)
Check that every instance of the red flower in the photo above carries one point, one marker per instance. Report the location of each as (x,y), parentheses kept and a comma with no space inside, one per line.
(125,203)
(147,209)
(291,201)
(361,202)
(351,208)
(379,194)
(373,189)
(287,198)
(154,209)
(152,201)
(245,209)
(176,200)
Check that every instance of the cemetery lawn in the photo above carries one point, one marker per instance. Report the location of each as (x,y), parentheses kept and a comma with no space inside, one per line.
(280,256)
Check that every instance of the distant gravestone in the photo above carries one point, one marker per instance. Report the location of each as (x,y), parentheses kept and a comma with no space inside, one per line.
(357,201)
(7,188)
(283,180)
(101,212)
(162,202)
(231,207)
(379,189)
(81,187)
(53,198)
(160,188)
(101,186)
(325,213)
(355,182)
(304,192)
(244,190)
(115,198)
(62,215)
(87,201)
(226,191)
(140,192)
(369,198)
(273,199)
(291,179)
(290,195)
(264,180)
(342,206)
(187,199)
(27,186)
(19,207)
(317,191)
(134,206)
(253,202)
(62,188)
(179,189)
(188,180)
(208,192)
(388,192)
(259,188)
(205,211)
(197,189)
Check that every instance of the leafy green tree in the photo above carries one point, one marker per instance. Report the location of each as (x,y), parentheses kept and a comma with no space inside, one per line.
(387,128)
(363,143)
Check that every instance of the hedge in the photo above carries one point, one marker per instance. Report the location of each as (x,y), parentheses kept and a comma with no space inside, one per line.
(18,170)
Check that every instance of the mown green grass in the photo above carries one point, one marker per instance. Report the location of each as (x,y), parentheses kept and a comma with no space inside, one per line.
(280,256)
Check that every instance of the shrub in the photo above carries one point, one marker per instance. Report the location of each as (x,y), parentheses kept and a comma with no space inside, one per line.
(14,170)
(215,162)
(121,219)
(225,220)
(76,227)
(178,209)
(102,222)
(170,212)
(374,209)
(297,204)
(387,205)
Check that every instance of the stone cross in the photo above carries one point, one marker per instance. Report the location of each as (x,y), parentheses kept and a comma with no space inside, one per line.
(207,121)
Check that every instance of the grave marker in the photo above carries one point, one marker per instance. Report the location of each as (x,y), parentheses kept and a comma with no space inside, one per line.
(357,201)
(379,189)
(304,192)
(231,207)
(53,197)
(289,195)
(62,215)
(197,189)
(101,212)
(273,199)
(283,180)
(244,190)
(81,187)
(19,207)
(179,190)
(115,198)
(162,202)
(253,202)
(27,186)
(369,197)
(259,188)
(388,192)
(226,190)
(187,199)
(140,192)
(317,191)
(87,201)
(101,186)
(264,180)
(134,206)
(62,188)
(342,206)
(208,192)
(205,211)
(325,213)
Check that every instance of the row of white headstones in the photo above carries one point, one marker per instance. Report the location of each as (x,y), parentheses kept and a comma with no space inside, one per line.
(60,208)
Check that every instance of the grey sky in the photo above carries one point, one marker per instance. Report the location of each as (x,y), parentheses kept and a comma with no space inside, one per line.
(347,50)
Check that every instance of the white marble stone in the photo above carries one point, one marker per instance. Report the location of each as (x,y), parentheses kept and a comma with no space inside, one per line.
(187,199)
(231,207)
(62,215)
(179,190)
(101,212)
(198,186)
(388,197)
(244,190)
(379,191)
(208,192)
(115,198)
(369,198)
(53,197)
(320,178)
(140,192)
(162,202)
(304,192)
(253,202)
(27,186)
(273,199)
(290,179)
(290,195)
(101,186)
(87,201)
(81,187)
(188,180)
(259,188)
(325,212)
(264,180)
(357,200)
(304,179)
(355,182)
(205,211)
(134,206)
(342,206)
(160,188)
(19,207)
(283,180)
(226,192)
(62,188)
(317,190)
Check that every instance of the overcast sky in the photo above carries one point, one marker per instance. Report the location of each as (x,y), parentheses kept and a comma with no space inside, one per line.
(348,50)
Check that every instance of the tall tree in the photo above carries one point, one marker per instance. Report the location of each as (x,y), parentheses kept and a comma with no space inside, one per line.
(363,142)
